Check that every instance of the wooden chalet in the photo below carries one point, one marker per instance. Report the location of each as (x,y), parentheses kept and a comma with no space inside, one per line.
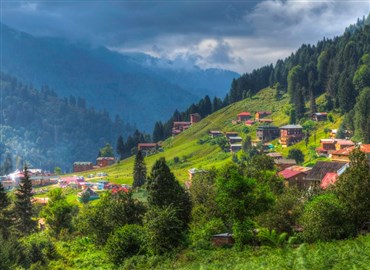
(341,144)
(92,194)
(179,127)
(267,133)
(193,172)
(231,134)
(343,154)
(215,133)
(236,147)
(79,166)
(321,116)
(105,161)
(283,163)
(222,239)
(295,175)
(236,139)
(274,155)
(290,134)
(261,114)
(147,146)
(244,116)
(265,121)
(327,146)
(319,171)
(195,118)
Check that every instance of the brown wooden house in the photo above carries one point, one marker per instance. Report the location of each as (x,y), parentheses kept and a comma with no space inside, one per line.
(215,133)
(267,133)
(231,134)
(244,116)
(195,118)
(321,116)
(320,169)
(82,166)
(222,239)
(283,163)
(105,161)
(262,114)
(290,134)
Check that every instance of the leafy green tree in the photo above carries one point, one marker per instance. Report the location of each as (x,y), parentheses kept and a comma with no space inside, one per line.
(296,154)
(23,205)
(262,163)
(164,229)
(164,190)
(240,199)
(324,219)
(362,116)
(247,144)
(107,151)
(361,79)
(58,212)
(285,212)
(139,170)
(125,242)
(58,170)
(353,189)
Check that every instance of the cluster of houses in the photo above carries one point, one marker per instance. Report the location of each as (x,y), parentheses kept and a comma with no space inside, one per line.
(37,177)
(179,127)
(233,138)
(81,166)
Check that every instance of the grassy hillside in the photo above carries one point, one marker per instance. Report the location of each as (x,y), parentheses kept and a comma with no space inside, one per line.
(191,153)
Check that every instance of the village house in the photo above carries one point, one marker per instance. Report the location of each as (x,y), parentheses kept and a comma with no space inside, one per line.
(195,118)
(233,140)
(147,148)
(81,166)
(231,134)
(92,195)
(215,133)
(327,146)
(274,155)
(267,133)
(290,134)
(341,144)
(235,147)
(222,239)
(319,171)
(179,127)
(105,161)
(249,123)
(343,154)
(295,175)
(321,116)
(261,114)
(244,116)
(283,163)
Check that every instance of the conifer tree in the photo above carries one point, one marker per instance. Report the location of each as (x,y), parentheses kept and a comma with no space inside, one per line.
(23,205)
(164,190)
(139,170)
(120,148)
(4,214)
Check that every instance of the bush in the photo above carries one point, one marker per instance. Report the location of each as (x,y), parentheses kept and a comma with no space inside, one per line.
(200,236)
(324,219)
(38,248)
(125,242)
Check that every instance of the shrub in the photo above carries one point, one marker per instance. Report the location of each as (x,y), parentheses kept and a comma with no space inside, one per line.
(200,236)
(324,219)
(125,242)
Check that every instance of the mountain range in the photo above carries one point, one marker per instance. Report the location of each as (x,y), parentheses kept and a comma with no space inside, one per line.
(140,88)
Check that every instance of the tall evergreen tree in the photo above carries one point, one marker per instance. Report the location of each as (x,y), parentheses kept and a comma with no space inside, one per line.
(7,166)
(164,190)
(362,116)
(120,148)
(23,205)
(139,170)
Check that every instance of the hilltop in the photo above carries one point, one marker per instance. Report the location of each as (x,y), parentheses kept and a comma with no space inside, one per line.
(190,150)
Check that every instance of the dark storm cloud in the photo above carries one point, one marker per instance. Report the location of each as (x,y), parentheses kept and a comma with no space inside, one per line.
(238,35)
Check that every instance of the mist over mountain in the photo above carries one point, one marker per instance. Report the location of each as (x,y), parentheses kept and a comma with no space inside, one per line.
(140,88)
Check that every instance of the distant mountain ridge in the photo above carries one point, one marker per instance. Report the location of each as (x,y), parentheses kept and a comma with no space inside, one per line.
(137,88)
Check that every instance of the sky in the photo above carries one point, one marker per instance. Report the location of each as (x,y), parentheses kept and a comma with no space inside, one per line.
(235,35)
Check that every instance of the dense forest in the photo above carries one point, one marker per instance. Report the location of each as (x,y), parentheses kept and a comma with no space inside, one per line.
(338,68)
(39,127)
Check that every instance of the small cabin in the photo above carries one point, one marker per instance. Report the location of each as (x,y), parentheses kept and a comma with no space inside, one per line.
(249,123)
(290,134)
(231,134)
(283,163)
(321,116)
(82,166)
(147,147)
(195,118)
(222,239)
(341,144)
(267,133)
(105,161)
(244,116)
(262,114)
(234,148)
(233,140)
(215,133)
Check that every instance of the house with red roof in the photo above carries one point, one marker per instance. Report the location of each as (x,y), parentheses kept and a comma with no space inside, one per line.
(343,154)
(329,179)
(249,123)
(244,116)
(295,175)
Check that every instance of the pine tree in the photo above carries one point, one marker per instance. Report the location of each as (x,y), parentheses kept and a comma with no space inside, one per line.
(120,148)
(164,190)
(139,170)
(4,200)
(23,205)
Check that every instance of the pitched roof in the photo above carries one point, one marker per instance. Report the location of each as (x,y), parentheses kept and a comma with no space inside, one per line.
(321,168)
(343,152)
(285,161)
(345,142)
(299,168)
(291,126)
(289,173)
(147,144)
(365,148)
(329,179)
(321,113)
(244,114)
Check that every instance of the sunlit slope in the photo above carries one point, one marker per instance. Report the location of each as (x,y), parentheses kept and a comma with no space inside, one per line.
(192,154)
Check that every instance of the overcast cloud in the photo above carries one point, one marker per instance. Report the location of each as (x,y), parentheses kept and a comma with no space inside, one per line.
(236,35)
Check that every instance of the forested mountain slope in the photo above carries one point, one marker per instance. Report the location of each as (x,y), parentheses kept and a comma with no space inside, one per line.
(47,131)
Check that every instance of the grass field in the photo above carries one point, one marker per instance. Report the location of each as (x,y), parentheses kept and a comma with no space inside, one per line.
(186,145)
